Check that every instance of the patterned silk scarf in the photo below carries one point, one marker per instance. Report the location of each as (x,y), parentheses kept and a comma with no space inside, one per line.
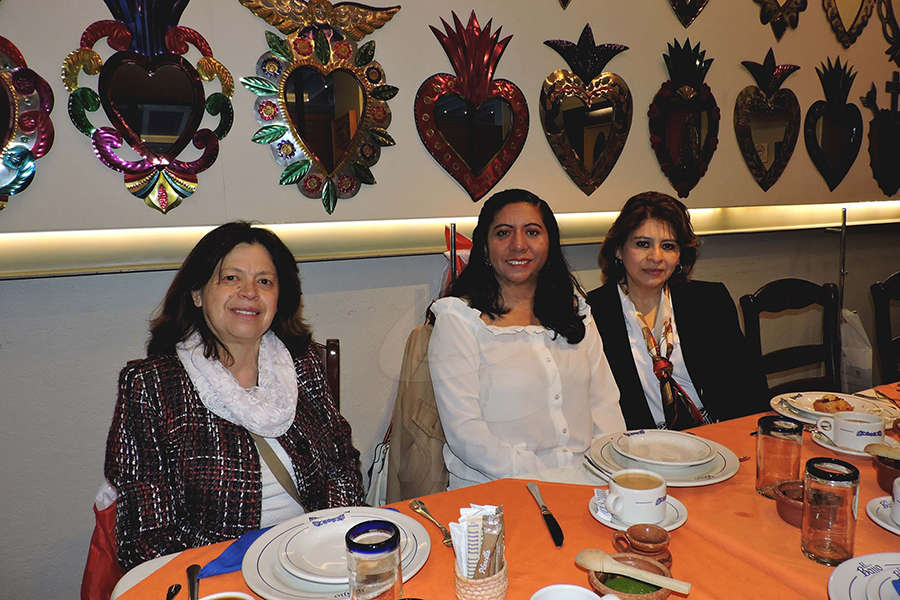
(679,409)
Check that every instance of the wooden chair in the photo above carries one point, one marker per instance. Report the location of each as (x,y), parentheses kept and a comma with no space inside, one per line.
(786,294)
(330,355)
(888,347)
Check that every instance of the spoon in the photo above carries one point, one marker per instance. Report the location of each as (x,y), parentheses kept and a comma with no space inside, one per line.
(193,582)
(419,507)
(598,560)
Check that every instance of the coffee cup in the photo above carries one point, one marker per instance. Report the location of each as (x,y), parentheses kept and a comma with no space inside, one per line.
(895,506)
(637,496)
(852,430)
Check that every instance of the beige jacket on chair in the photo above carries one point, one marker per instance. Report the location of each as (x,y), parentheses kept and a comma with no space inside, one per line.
(416,464)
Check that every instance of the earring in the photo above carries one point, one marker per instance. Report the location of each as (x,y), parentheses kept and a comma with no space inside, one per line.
(618,263)
(678,269)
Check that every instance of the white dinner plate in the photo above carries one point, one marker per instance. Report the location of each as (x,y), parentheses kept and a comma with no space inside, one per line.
(824,441)
(676,514)
(850,580)
(663,447)
(267,577)
(802,402)
(316,550)
(604,458)
(881,586)
(786,410)
(879,510)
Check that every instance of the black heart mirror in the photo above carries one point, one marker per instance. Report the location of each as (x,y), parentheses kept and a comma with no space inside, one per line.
(586,112)
(684,118)
(767,120)
(848,18)
(780,14)
(26,132)
(833,127)
(890,28)
(687,10)
(884,137)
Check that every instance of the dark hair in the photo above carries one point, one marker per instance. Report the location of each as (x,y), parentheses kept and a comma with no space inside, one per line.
(650,205)
(178,317)
(554,304)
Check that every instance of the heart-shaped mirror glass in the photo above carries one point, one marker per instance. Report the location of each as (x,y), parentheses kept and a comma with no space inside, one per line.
(588,128)
(768,130)
(848,9)
(476,132)
(155,103)
(326,112)
(7,120)
(686,136)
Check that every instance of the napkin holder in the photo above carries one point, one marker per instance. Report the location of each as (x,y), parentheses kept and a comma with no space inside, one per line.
(489,588)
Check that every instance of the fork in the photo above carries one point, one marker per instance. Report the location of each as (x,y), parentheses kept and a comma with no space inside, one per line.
(173,591)
(419,507)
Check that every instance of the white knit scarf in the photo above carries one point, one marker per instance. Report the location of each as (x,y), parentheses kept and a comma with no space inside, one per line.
(266,409)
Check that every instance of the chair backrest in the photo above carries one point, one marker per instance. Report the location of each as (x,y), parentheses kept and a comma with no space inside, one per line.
(330,355)
(786,294)
(888,347)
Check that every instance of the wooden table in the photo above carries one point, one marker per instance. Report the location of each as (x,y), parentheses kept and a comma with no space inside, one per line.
(733,545)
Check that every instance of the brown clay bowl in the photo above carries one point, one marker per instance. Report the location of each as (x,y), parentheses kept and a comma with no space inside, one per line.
(596,578)
(789,501)
(886,470)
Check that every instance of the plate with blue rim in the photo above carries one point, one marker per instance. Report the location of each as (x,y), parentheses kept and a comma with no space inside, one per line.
(866,577)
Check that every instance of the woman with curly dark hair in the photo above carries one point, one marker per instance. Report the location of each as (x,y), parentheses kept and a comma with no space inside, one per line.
(674,344)
(228,424)
(520,379)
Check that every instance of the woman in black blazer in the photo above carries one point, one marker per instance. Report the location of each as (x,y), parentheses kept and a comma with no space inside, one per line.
(674,345)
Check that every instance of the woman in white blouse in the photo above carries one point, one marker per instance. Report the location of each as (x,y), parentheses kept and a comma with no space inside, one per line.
(520,377)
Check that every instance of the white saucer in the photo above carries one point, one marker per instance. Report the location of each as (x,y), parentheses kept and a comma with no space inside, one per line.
(824,441)
(881,586)
(851,579)
(879,510)
(676,515)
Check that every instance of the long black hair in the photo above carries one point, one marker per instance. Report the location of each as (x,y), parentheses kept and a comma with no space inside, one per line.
(554,298)
(639,208)
(178,317)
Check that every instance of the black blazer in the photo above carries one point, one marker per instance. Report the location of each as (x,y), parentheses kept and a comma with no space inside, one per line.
(714,349)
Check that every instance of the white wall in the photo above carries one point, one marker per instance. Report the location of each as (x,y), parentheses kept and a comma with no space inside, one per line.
(63,340)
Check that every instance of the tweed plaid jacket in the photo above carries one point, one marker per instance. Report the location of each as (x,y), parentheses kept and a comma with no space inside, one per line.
(187,477)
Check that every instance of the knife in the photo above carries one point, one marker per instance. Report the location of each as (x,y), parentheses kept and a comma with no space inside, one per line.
(555,531)
(193,583)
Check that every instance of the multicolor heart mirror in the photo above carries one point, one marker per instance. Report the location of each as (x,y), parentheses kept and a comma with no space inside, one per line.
(684,118)
(767,120)
(848,18)
(153,97)
(780,14)
(687,10)
(884,137)
(472,124)
(833,127)
(321,100)
(585,112)
(890,28)
(26,132)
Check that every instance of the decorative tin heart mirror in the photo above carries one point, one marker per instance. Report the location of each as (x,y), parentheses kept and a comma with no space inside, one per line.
(684,118)
(842,12)
(321,100)
(26,132)
(152,96)
(687,10)
(890,28)
(767,120)
(586,113)
(884,137)
(833,127)
(780,14)
(472,124)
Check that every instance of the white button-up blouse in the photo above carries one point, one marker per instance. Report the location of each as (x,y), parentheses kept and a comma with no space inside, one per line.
(517,399)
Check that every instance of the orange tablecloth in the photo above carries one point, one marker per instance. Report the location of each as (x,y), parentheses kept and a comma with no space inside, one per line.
(734,545)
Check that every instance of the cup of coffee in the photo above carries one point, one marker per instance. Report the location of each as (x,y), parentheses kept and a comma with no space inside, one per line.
(637,496)
(895,507)
(852,430)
